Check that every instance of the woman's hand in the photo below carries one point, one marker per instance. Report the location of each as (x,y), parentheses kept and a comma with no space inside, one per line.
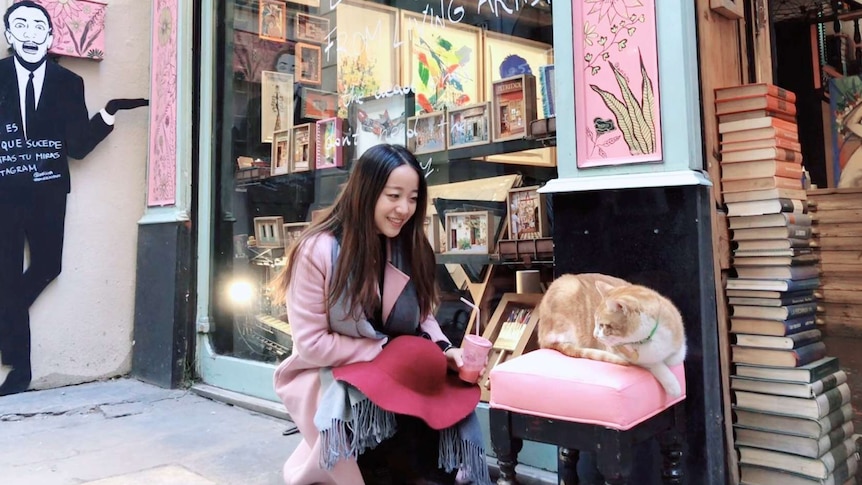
(454,358)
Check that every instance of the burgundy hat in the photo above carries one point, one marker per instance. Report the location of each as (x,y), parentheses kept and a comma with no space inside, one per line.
(409,377)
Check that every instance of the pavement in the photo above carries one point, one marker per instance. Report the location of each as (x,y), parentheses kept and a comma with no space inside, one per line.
(126,432)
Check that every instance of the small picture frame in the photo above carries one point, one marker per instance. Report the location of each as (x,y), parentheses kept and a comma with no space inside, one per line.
(528,218)
(292,231)
(469,126)
(308,61)
(310,28)
(276,103)
(302,153)
(240,246)
(269,231)
(272,20)
(328,143)
(280,152)
(376,120)
(513,107)
(315,104)
(426,133)
(434,232)
(548,90)
(469,232)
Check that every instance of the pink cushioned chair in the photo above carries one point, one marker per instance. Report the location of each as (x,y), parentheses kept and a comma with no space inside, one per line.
(583,405)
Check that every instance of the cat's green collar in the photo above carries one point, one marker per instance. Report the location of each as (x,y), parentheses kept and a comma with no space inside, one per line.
(648,337)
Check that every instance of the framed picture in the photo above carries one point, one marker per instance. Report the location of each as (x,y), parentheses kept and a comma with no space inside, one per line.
(434,233)
(276,103)
(292,231)
(317,105)
(240,246)
(302,148)
(469,232)
(514,107)
(280,152)
(507,56)
(310,28)
(379,120)
(469,126)
(547,88)
(269,231)
(327,143)
(528,217)
(272,20)
(616,85)
(443,63)
(308,62)
(511,328)
(365,31)
(426,133)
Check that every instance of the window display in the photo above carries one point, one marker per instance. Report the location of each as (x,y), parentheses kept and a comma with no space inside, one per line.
(306,87)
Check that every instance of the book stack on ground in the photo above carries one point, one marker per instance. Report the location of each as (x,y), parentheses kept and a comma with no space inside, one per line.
(791,400)
(837,239)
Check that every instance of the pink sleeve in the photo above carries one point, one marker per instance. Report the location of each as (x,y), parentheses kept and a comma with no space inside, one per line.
(432,328)
(306,313)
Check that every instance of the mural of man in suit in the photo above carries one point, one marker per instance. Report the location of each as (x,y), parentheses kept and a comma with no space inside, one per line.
(43,121)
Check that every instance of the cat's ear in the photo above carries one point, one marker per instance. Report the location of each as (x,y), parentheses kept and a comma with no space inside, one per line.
(603,288)
(615,305)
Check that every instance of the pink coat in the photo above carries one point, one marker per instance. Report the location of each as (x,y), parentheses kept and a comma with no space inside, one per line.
(297,381)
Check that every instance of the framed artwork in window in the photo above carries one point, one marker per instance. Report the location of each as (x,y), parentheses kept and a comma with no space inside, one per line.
(292,231)
(269,231)
(317,105)
(443,63)
(469,126)
(528,216)
(376,120)
(514,107)
(507,56)
(272,20)
(276,103)
(302,148)
(427,133)
(469,232)
(308,63)
(328,143)
(365,32)
(310,28)
(280,152)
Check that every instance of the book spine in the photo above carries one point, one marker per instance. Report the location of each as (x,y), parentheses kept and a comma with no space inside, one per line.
(834,438)
(824,370)
(810,353)
(833,399)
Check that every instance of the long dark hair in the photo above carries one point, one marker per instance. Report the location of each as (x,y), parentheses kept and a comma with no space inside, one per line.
(351,219)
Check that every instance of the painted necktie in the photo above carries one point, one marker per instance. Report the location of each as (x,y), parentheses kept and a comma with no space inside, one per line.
(30,105)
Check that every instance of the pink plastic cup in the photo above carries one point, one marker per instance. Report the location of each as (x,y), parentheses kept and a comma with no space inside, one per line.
(474,351)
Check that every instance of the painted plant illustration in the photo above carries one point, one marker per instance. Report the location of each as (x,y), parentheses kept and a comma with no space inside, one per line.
(441,71)
(79,27)
(635,119)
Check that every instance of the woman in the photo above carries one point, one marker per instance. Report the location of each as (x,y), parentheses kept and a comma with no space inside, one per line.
(361,276)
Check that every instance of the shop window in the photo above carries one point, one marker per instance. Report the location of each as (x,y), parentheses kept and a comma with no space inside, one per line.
(304,87)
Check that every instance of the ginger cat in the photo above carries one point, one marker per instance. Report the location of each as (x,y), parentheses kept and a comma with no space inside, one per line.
(599,317)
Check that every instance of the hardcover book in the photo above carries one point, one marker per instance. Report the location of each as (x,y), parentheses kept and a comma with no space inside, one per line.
(761,154)
(756,114)
(787,299)
(750,103)
(769,220)
(776,232)
(807,373)
(811,428)
(761,183)
(820,467)
(766,133)
(792,389)
(778,357)
(761,168)
(785,285)
(777,328)
(766,194)
(773,342)
(773,142)
(797,445)
(755,89)
(765,206)
(799,260)
(756,123)
(843,474)
(767,244)
(782,272)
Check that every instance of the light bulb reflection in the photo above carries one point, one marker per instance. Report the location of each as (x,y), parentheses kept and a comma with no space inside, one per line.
(241,292)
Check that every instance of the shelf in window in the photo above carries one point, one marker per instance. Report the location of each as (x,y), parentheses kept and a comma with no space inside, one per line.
(479,151)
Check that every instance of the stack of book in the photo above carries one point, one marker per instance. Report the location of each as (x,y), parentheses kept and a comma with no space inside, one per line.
(791,401)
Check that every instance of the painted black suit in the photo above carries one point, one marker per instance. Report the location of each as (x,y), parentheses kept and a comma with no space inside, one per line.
(34,182)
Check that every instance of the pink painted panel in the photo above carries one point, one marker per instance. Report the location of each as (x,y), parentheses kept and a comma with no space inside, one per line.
(616,82)
(162,165)
(79,27)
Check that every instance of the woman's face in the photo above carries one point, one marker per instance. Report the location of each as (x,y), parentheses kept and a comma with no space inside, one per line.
(397,202)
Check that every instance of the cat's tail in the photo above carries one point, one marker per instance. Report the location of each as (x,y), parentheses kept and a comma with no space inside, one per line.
(571,350)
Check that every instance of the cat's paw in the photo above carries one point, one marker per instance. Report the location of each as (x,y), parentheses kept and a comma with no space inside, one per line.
(672,388)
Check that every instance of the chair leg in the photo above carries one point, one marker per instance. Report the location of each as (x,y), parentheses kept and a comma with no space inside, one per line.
(614,458)
(671,452)
(567,466)
(506,447)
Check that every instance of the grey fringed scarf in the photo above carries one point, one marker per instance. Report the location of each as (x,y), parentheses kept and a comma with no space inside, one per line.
(349,423)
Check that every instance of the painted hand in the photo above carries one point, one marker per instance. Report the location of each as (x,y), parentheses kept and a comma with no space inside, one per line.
(115,105)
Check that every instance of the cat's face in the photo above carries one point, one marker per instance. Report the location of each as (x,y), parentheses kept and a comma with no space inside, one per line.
(613,324)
